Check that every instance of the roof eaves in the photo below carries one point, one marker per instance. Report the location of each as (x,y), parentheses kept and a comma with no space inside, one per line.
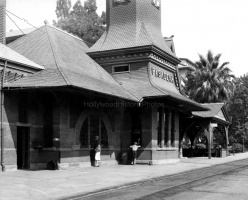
(67,86)
(191,62)
(36,66)
(226,113)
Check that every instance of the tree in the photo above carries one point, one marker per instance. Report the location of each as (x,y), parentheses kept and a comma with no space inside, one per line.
(81,20)
(210,82)
(63,9)
(238,109)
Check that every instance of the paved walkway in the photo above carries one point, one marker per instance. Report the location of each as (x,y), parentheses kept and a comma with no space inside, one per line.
(59,184)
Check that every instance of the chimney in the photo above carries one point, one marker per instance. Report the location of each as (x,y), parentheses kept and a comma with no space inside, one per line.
(2,21)
(132,23)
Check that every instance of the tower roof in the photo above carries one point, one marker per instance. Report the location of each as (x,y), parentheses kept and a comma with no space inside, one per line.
(132,23)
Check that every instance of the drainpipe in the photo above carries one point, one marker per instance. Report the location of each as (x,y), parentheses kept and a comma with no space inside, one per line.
(2,131)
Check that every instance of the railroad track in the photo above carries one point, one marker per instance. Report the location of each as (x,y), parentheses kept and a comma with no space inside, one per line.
(170,182)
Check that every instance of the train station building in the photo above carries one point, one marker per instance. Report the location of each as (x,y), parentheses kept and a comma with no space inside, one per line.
(124,89)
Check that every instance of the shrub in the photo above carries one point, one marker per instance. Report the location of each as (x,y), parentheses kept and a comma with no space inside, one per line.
(237,148)
(186,146)
(200,146)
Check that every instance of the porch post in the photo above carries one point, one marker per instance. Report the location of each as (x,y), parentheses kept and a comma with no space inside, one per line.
(210,133)
(227,141)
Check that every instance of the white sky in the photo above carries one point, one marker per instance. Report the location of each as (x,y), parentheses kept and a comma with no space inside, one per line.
(198,25)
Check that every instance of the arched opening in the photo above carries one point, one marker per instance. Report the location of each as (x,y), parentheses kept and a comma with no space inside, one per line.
(93,124)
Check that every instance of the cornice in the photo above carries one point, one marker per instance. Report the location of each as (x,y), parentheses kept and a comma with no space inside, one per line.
(124,56)
(163,56)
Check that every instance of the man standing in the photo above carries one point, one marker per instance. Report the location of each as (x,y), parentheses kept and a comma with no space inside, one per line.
(134,149)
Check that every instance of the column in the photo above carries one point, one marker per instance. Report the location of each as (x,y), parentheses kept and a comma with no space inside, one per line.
(163,128)
(227,142)
(210,133)
(169,130)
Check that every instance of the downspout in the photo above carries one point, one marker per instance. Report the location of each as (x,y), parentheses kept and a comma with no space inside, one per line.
(2,131)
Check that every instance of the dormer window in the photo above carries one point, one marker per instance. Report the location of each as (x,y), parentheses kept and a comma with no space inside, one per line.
(156,3)
(121,68)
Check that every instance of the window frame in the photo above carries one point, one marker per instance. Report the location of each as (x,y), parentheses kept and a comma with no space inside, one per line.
(89,136)
(123,65)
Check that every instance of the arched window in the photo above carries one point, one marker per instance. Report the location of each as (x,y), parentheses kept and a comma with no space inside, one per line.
(93,126)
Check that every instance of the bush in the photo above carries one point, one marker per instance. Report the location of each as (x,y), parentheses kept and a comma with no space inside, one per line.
(186,146)
(200,146)
(237,148)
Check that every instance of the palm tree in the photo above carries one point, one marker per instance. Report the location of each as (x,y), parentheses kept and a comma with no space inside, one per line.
(210,82)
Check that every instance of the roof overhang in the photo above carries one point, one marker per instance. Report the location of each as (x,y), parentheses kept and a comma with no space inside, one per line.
(69,88)
(177,103)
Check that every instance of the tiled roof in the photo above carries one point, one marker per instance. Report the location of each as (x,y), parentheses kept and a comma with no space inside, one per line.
(64,57)
(216,110)
(134,24)
(67,64)
(8,54)
(124,38)
(143,88)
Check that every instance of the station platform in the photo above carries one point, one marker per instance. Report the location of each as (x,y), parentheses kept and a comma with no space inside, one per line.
(63,184)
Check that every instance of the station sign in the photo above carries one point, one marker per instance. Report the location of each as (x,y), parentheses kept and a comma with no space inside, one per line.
(162,74)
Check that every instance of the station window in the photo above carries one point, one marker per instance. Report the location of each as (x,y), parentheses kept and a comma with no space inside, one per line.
(93,126)
(121,68)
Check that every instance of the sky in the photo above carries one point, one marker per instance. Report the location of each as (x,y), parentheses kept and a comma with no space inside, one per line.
(197,26)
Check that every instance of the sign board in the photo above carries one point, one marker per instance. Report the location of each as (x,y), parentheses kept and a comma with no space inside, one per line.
(162,74)
(214,125)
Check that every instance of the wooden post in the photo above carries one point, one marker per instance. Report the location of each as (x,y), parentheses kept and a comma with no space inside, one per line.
(227,142)
(210,133)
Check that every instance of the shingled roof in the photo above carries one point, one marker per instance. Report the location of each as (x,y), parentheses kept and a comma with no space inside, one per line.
(143,88)
(132,24)
(66,63)
(8,54)
(216,111)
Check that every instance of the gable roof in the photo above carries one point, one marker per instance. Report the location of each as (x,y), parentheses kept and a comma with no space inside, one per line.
(66,63)
(8,54)
(216,111)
